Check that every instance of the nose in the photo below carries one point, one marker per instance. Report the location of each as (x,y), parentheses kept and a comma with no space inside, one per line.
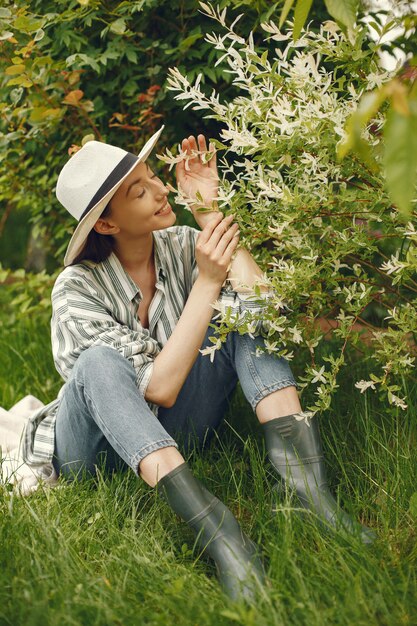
(161,189)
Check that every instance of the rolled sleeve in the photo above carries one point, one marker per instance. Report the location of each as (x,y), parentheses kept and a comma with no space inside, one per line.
(80,334)
(143,377)
(243,309)
(81,319)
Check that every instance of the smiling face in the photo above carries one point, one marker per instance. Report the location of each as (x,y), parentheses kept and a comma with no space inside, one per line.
(138,207)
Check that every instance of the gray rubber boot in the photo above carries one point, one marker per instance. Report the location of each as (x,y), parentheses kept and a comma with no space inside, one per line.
(294,449)
(239,568)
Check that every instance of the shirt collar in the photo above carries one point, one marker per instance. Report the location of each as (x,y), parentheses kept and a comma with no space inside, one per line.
(159,256)
(125,285)
(124,282)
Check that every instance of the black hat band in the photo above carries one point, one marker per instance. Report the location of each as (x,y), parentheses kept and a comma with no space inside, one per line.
(112,179)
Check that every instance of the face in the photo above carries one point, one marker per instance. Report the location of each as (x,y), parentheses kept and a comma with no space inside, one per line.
(138,207)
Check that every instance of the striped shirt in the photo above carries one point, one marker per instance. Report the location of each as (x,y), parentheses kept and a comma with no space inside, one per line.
(97,304)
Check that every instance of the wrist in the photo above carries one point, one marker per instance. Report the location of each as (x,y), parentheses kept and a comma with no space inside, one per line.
(209,286)
(203,217)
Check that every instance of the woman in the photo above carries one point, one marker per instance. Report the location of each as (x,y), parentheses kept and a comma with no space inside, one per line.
(130,313)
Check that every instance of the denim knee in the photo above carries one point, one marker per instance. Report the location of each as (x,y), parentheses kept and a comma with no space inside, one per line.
(101,361)
(97,356)
(260,374)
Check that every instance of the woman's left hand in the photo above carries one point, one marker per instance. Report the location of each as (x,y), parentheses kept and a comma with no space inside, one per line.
(201,178)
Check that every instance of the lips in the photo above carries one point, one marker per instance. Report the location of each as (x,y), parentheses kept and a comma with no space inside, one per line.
(165,209)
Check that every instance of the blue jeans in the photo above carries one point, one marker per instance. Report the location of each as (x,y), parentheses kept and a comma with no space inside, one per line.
(103,418)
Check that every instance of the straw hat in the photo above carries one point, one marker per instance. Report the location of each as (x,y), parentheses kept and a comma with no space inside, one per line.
(88,181)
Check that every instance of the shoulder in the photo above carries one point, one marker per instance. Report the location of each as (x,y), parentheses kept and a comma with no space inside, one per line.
(75,276)
(82,286)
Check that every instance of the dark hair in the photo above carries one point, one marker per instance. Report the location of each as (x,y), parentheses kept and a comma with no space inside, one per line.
(97,247)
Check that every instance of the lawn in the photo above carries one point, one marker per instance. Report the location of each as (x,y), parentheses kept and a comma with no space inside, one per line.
(110,551)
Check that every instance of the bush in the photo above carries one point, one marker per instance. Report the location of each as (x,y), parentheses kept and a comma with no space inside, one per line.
(332,243)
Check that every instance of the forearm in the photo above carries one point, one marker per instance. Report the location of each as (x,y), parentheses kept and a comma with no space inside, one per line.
(244,272)
(174,362)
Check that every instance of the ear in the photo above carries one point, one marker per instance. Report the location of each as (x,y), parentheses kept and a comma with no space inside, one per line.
(105,227)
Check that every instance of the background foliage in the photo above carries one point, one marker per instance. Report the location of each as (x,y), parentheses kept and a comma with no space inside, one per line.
(103,537)
(320,167)
(330,232)
(71,69)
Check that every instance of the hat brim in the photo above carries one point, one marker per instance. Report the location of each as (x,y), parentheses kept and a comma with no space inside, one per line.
(85,225)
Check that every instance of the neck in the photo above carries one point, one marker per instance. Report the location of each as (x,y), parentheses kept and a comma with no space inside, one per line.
(135,254)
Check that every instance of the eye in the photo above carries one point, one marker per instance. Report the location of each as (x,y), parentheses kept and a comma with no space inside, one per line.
(143,192)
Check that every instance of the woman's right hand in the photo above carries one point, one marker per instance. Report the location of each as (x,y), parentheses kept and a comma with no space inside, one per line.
(215,246)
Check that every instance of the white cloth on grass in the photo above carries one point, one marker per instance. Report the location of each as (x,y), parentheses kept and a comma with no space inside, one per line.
(14,471)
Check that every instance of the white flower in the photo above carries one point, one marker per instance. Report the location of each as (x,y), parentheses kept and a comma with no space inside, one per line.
(376,80)
(296,334)
(411,231)
(223,306)
(407,361)
(363,385)
(304,415)
(331,27)
(338,266)
(318,375)
(211,350)
(251,328)
(271,346)
(276,326)
(393,399)
(241,139)
(393,265)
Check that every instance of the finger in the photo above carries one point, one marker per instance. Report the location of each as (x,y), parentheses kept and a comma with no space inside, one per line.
(202,146)
(232,232)
(192,142)
(219,231)
(180,167)
(227,238)
(231,247)
(195,159)
(208,229)
(213,161)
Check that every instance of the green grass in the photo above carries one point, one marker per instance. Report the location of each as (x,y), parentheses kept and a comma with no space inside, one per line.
(110,551)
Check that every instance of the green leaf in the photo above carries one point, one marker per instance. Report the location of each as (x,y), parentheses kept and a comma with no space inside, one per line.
(188,41)
(413,505)
(285,10)
(5,13)
(39,35)
(12,70)
(118,27)
(211,74)
(6,34)
(400,134)
(82,59)
(131,55)
(87,138)
(21,81)
(231,615)
(218,144)
(301,12)
(27,24)
(343,11)
(366,109)
(40,114)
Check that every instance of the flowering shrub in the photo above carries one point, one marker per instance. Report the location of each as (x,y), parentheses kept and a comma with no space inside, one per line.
(324,230)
